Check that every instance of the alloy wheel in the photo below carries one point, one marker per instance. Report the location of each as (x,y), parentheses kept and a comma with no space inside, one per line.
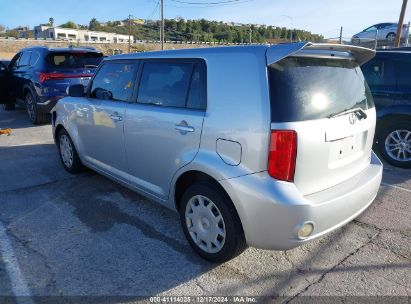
(30,105)
(398,145)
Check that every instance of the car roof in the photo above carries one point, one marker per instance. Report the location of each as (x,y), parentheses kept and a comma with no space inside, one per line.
(63,49)
(194,52)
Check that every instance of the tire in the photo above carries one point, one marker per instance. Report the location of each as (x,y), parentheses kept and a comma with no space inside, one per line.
(355,41)
(9,107)
(391,36)
(394,138)
(68,153)
(206,203)
(35,116)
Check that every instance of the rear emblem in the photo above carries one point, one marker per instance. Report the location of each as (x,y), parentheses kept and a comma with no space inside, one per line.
(352,118)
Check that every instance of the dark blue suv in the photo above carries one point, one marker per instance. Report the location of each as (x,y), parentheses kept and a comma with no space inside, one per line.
(39,76)
(389,76)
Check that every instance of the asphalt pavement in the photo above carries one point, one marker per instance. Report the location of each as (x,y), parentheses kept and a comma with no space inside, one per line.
(64,236)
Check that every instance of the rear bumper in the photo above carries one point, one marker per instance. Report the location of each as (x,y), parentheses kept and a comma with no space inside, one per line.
(272,211)
(46,103)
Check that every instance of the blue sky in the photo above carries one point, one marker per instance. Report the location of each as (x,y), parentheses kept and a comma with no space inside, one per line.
(318,16)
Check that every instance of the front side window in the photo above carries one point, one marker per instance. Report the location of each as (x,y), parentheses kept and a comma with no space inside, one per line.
(114,81)
(165,84)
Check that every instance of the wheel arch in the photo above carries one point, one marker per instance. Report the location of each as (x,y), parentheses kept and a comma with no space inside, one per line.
(190,177)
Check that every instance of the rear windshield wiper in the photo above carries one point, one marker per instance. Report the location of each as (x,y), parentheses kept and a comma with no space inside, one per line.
(357,111)
(90,66)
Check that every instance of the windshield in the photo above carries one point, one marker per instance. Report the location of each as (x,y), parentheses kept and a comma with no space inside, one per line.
(74,60)
(314,88)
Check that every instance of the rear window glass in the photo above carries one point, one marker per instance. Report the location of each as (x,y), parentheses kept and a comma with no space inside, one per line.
(74,60)
(311,88)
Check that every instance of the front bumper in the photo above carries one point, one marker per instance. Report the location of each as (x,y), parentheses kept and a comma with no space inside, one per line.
(271,211)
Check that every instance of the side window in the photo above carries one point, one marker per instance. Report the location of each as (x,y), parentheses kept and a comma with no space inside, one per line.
(403,66)
(165,84)
(114,81)
(196,94)
(24,59)
(379,72)
(34,58)
(15,61)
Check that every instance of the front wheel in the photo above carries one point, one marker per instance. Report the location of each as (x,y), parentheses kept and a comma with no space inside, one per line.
(68,154)
(395,144)
(211,224)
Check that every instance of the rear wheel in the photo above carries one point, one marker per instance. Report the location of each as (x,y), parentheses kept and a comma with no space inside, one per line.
(395,143)
(35,116)
(211,224)
(391,36)
(68,153)
(9,107)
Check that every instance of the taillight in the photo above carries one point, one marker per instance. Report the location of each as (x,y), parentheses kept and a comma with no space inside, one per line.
(282,154)
(55,76)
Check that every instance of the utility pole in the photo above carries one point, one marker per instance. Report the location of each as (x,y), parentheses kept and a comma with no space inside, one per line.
(129,33)
(292,25)
(162,25)
(251,31)
(400,23)
(341,31)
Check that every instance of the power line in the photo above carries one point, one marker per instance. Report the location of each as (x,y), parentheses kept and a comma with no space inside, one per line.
(208,4)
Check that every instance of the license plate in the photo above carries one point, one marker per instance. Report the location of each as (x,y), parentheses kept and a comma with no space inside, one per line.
(346,147)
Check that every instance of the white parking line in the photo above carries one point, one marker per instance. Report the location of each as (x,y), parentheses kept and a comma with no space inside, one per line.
(18,284)
(28,144)
(396,187)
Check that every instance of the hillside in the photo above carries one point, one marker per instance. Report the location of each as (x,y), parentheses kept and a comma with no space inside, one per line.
(204,30)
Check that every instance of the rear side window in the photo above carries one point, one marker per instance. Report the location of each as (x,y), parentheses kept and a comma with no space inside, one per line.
(314,88)
(114,81)
(173,84)
(165,84)
(34,58)
(380,72)
(24,59)
(67,60)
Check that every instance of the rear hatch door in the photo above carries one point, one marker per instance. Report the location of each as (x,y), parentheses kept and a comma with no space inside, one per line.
(321,93)
(66,68)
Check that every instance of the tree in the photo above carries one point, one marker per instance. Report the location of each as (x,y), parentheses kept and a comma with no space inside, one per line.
(51,21)
(94,25)
(69,24)
(2,28)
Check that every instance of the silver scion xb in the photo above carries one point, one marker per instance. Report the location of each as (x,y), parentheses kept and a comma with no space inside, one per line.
(266,146)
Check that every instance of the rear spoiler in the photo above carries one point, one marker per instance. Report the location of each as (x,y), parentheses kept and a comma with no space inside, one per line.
(320,50)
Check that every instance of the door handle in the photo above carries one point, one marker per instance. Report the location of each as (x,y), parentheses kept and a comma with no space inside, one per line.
(184,128)
(116,117)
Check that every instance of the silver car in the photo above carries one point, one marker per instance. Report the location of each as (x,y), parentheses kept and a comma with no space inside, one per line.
(381,31)
(266,146)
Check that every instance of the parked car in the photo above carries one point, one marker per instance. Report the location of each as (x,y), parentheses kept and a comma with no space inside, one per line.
(388,75)
(3,81)
(262,146)
(383,31)
(39,77)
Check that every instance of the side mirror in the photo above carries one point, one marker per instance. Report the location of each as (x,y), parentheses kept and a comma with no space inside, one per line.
(75,90)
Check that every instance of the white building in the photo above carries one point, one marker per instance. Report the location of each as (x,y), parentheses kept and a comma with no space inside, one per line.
(58,33)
